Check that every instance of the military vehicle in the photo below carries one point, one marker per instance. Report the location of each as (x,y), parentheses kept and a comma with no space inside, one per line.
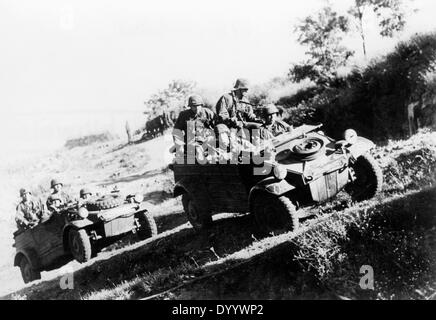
(307,169)
(79,231)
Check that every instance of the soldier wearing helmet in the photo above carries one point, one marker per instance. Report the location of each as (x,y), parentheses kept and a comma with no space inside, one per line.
(233,109)
(58,197)
(273,126)
(29,210)
(85,194)
(192,124)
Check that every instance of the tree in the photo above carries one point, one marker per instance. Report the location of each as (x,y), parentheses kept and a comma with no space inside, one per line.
(389,13)
(170,99)
(322,35)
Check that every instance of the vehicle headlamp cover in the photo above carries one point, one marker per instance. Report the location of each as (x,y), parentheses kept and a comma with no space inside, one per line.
(83,213)
(280,172)
(139,198)
(350,136)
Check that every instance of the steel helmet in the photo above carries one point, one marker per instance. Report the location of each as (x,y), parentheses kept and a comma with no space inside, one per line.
(55,182)
(241,84)
(24,191)
(195,100)
(271,109)
(85,191)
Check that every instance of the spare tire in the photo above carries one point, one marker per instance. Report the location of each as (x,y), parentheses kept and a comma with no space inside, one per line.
(307,149)
(106,202)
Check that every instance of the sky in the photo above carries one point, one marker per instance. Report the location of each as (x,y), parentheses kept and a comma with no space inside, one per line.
(95,60)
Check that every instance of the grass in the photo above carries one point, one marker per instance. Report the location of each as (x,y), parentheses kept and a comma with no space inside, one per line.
(395,237)
(394,233)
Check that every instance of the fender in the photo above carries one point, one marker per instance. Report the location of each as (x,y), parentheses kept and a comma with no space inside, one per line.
(79,224)
(30,255)
(361,147)
(180,188)
(271,185)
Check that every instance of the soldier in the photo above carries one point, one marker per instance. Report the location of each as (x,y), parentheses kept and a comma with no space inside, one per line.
(200,119)
(273,126)
(218,146)
(85,194)
(233,109)
(29,211)
(57,195)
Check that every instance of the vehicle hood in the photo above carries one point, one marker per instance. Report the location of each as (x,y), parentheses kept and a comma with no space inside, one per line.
(124,210)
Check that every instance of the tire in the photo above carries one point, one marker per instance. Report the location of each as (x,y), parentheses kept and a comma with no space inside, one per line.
(105,203)
(148,227)
(308,149)
(274,214)
(369,179)
(200,220)
(27,272)
(80,245)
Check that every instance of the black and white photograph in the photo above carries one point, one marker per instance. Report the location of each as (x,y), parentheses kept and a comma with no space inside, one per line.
(230,151)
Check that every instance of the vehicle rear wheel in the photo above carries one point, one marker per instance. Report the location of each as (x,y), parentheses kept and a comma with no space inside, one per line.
(199,219)
(368,179)
(80,245)
(274,214)
(148,227)
(27,272)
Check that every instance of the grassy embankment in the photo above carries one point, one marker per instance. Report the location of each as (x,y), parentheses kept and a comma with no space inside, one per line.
(394,233)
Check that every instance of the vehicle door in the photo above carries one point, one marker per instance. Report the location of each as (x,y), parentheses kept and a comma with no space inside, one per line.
(225,187)
(49,238)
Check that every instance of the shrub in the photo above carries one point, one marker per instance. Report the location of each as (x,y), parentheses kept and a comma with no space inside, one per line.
(374,100)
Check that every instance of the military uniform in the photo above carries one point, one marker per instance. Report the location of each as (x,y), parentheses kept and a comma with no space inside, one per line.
(200,121)
(204,119)
(62,196)
(233,112)
(29,212)
(274,129)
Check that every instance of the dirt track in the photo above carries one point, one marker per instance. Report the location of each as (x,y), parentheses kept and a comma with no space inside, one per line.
(132,270)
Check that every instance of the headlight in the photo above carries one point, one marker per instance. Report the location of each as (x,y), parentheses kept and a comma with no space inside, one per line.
(139,198)
(350,136)
(83,213)
(280,172)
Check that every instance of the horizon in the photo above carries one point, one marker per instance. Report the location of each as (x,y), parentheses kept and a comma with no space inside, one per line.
(103,58)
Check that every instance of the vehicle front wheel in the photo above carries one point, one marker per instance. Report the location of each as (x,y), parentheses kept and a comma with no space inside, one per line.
(274,214)
(199,219)
(368,179)
(27,272)
(148,227)
(80,245)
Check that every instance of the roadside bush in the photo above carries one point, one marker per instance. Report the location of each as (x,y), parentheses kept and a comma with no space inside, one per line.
(373,100)
(397,239)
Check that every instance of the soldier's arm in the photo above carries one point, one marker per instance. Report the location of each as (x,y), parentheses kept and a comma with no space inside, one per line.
(222,110)
(178,137)
(50,206)
(251,115)
(211,119)
(20,217)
